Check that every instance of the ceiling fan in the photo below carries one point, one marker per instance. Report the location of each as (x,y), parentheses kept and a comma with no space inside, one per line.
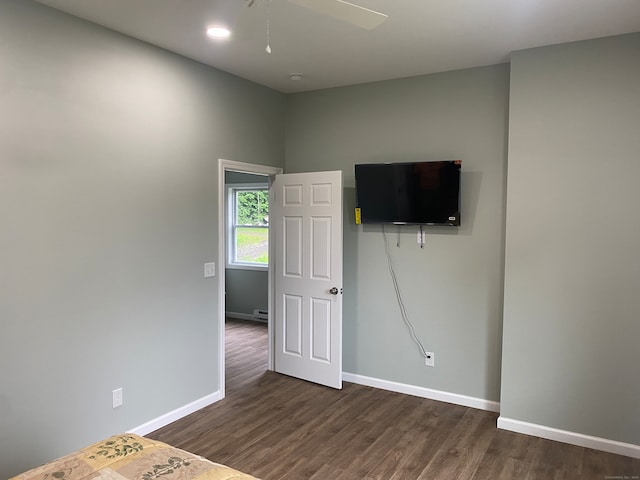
(342,10)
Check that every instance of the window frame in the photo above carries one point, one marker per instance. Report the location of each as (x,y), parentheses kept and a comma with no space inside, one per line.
(232,190)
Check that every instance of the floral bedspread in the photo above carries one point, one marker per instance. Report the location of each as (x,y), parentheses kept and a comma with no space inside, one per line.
(131,457)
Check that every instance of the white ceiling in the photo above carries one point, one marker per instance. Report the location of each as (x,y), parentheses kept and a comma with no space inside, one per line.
(419,37)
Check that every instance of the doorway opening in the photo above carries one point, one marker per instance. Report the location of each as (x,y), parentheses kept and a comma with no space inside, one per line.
(244,248)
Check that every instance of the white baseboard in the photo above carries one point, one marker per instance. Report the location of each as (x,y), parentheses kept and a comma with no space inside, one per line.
(573,438)
(423,392)
(176,414)
(241,316)
(244,316)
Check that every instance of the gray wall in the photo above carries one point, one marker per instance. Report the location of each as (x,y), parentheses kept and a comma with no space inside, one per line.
(245,289)
(108,210)
(231,177)
(452,289)
(571,326)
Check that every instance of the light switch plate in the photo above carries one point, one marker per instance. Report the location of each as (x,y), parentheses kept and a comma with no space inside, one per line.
(209,269)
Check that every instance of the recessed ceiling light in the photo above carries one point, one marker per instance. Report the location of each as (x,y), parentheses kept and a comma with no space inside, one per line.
(296,77)
(218,32)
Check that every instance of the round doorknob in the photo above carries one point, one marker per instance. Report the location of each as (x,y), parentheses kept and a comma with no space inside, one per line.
(333,291)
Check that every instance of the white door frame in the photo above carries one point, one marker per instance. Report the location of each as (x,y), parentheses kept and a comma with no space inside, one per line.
(223,166)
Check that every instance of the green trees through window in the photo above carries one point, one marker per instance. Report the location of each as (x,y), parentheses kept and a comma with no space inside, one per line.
(250,242)
(252,207)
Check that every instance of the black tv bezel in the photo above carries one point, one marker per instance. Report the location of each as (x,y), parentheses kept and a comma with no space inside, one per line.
(451,223)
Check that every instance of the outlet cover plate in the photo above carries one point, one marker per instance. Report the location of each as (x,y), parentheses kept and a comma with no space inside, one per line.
(430,359)
(117,397)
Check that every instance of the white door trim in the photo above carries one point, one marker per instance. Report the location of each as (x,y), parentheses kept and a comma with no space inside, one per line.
(224,165)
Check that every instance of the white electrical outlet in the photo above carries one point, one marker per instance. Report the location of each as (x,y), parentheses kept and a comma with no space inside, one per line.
(117,397)
(209,269)
(430,359)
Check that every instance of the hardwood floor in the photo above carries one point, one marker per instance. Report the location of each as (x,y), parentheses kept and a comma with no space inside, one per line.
(276,427)
(246,353)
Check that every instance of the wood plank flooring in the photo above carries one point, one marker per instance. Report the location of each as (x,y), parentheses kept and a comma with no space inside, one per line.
(276,427)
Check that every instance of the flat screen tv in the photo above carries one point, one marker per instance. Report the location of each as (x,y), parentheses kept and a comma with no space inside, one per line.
(421,193)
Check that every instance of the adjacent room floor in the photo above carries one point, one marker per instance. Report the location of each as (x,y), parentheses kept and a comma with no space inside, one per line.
(277,427)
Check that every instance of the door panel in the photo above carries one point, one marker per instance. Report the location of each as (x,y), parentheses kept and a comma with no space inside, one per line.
(292,247)
(293,325)
(307,221)
(321,248)
(320,329)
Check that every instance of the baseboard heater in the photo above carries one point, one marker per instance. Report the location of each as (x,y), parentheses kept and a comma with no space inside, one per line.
(260,314)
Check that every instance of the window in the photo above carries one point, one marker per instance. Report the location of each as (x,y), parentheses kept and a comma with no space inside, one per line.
(248,237)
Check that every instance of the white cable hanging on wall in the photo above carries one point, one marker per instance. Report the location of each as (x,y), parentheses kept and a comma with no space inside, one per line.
(396,287)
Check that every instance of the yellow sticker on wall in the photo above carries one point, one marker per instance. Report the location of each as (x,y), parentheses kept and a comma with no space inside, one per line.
(358,217)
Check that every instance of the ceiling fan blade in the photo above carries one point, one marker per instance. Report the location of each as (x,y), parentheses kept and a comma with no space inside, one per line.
(347,12)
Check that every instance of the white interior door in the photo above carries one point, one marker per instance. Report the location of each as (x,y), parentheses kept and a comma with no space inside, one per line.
(307,219)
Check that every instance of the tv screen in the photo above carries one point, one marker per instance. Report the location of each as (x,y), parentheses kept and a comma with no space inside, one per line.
(426,193)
